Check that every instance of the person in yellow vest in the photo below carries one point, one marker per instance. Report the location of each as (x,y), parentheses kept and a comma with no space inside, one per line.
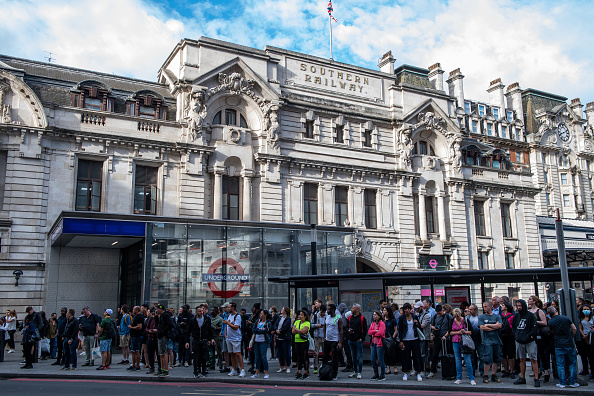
(301,333)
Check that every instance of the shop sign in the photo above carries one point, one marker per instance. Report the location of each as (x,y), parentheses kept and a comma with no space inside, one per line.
(457,295)
(433,262)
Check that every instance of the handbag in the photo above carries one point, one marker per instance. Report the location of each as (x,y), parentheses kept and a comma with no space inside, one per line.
(420,334)
(387,342)
(467,344)
(312,346)
(96,350)
(44,345)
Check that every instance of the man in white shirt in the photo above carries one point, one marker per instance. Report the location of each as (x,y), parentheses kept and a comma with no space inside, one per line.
(233,339)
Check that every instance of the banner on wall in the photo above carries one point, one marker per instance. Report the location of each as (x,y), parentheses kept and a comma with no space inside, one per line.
(456,295)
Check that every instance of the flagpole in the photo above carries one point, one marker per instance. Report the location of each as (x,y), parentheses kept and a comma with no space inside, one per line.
(330,22)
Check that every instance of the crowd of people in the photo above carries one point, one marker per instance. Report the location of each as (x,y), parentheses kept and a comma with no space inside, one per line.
(417,337)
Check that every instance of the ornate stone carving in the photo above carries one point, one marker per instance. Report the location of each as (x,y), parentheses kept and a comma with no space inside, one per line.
(405,145)
(430,121)
(5,109)
(195,112)
(359,244)
(30,101)
(272,127)
(456,154)
(234,135)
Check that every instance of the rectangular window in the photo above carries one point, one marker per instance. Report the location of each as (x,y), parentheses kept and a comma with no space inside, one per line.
(230,208)
(430,213)
(370,209)
(367,138)
(545,175)
(506,222)
(510,115)
(310,203)
(145,190)
(495,111)
(230,117)
(588,165)
(573,183)
(467,108)
(131,108)
(423,148)
(88,185)
(504,131)
(489,129)
(341,202)
(339,133)
(548,197)
(483,260)
(509,261)
(543,157)
(474,127)
(93,103)
(479,217)
(566,201)
(481,110)
(147,112)
(564,178)
(309,129)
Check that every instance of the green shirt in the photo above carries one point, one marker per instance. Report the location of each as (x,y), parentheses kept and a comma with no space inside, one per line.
(300,326)
(105,323)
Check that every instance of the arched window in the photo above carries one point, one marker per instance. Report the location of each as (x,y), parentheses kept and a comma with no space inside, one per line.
(147,104)
(230,118)
(92,95)
(423,147)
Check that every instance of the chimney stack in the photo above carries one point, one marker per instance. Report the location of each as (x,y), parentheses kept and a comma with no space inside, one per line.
(456,87)
(514,99)
(386,63)
(496,97)
(436,76)
(576,106)
(590,113)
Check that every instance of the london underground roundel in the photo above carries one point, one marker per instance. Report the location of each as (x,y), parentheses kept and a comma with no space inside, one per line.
(238,277)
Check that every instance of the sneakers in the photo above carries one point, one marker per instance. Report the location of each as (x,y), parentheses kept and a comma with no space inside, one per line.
(495,379)
(197,375)
(486,379)
(305,376)
(315,370)
(473,382)
(255,376)
(178,364)
(280,370)
(336,378)
(520,381)
(150,371)
(186,365)
(101,368)
(458,382)
(537,383)
(576,385)
(352,375)
(419,378)
(382,378)
(374,378)
(359,376)
(561,386)
(431,375)
(164,374)
(232,373)
(242,374)
(288,371)
(298,376)
(405,377)
(65,368)
(266,376)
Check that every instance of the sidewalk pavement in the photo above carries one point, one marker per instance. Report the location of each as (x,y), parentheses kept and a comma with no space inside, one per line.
(11,368)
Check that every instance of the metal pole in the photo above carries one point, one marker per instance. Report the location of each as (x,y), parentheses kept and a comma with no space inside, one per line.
(330,23)
(314,257)
(563,264)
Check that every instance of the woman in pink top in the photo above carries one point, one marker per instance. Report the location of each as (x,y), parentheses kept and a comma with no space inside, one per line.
(459,328)
(377,331)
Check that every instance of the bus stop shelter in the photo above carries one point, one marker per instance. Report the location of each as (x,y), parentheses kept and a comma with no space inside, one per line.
(353,283)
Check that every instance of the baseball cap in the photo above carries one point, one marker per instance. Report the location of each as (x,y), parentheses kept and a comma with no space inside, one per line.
(109,311)
(160,306)
(418,304)
(225,305)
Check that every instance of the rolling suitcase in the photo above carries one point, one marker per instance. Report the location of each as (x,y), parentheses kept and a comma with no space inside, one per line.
(448,363)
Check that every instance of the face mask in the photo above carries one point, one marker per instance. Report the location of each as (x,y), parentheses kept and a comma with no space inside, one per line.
(587,313)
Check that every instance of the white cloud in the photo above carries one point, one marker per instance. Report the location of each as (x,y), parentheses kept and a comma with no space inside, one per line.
(540,44)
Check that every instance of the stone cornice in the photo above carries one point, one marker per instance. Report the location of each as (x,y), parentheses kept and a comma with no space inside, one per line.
(494,186)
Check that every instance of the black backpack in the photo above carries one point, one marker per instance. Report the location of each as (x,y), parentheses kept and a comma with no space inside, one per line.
(326,373)
(111,331)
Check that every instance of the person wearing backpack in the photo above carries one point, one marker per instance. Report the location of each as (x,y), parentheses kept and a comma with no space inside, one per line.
(357,330)
(509,342)
(165,330)
(525,331)
(106,334)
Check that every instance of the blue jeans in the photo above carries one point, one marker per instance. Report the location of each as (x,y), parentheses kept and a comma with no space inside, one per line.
(70,353)
(477,357)
(357,355)
(562,354)
(260,351)
(283,348)
(467,359)
(53,347)
(377,353)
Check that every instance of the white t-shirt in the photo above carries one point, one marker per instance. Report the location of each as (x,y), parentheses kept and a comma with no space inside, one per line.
(332,323)
(234,335)
(410,332)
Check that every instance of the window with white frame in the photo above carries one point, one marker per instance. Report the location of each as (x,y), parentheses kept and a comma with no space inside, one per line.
(483,260)
(509,261)
(467,107)
(566,200)
(548,198)
(481,110)
(495,111)
(509,114)
(474,127)
(489,129)
(504,131)
(563,178)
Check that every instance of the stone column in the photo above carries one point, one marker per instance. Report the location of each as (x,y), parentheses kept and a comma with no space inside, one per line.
(441,214)
(218,194)
(422,215)
(247,197)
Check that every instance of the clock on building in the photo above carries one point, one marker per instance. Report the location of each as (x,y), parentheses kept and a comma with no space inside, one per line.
(563,132)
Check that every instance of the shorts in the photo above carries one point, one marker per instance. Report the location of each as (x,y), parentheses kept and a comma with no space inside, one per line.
(135,344)
(125,341)
(523,350)
(105,345)
(492,353)
(162,345)
(170,345)
(234,346)
(509,348)
(144,338)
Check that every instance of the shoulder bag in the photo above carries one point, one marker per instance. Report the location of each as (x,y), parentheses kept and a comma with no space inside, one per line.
(468,346)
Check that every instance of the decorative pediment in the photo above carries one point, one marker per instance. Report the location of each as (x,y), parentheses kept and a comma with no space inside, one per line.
(429,115)
(19,102)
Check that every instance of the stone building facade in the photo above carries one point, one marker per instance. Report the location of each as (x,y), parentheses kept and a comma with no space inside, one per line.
(426,178)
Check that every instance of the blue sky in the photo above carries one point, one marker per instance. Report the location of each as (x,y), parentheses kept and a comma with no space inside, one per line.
(540,44)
